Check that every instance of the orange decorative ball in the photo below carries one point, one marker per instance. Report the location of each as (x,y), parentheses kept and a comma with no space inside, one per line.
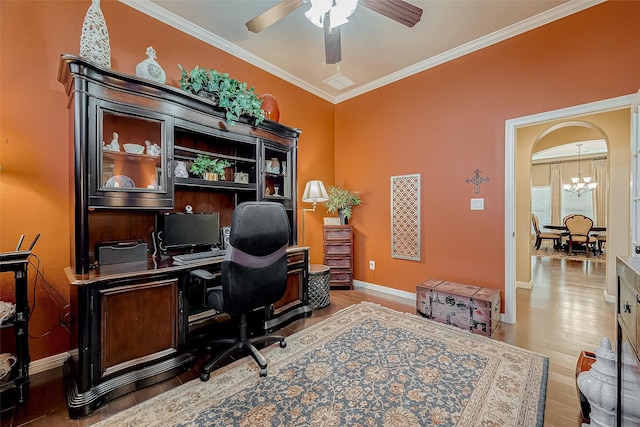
(270,107)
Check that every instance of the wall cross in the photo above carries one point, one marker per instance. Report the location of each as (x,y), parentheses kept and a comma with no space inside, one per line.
(477,180)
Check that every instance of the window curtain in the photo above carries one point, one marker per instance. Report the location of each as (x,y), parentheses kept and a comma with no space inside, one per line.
(599,171)
(555,182)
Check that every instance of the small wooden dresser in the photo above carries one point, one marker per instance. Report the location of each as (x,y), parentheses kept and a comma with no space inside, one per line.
(338,255)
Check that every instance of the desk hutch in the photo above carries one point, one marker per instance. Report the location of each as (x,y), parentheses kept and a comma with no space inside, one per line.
(134,324)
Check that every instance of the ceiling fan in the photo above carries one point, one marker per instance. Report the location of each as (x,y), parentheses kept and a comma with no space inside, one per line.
(330,14)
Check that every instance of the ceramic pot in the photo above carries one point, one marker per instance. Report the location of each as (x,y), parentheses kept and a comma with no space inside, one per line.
(270,107)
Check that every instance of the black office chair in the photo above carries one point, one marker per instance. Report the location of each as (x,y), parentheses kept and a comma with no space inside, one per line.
(254,275)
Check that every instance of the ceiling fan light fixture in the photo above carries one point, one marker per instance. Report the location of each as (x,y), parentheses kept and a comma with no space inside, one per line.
(317,11)
(341,11)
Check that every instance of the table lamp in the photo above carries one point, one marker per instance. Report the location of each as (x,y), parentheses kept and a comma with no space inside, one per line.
(314,192)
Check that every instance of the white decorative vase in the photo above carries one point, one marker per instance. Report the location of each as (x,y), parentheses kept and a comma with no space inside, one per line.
(598,385)
(94,41)
(150,69)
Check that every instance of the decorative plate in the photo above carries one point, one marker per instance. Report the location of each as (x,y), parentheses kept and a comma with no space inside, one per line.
(120,181)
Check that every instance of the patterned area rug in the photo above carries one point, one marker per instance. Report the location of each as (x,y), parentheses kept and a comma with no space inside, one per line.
(548,251)
(364,366)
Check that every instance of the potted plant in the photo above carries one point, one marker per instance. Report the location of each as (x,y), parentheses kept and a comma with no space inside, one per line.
(234,97)
(208,168)
(341,200)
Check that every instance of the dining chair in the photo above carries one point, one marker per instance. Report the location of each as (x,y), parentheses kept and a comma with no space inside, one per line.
(540,236)
(579,227)
(602,239)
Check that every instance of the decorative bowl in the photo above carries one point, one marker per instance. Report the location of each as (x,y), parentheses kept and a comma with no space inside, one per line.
(134,148)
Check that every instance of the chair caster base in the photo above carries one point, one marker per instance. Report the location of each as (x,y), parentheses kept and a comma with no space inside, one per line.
(283,344)
(263,372)
(204,377)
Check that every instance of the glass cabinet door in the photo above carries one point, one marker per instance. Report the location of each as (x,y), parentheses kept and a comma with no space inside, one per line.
(131,151)
(276,172)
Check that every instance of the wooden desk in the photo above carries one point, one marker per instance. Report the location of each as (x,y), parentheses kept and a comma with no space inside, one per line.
(133,324)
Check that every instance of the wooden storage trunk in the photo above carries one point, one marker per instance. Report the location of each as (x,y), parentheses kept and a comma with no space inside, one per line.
(467,307)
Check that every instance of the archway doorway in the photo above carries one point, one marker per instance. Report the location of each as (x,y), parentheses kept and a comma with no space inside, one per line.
(550,137)
(516,156)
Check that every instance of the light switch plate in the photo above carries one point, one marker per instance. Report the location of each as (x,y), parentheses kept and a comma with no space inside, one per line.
(477,204)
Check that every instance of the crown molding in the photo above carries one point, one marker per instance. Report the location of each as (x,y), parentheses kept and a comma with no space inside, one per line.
(153,10)
(539,20)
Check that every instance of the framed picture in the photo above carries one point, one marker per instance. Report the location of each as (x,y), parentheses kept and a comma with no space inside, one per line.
(332,220)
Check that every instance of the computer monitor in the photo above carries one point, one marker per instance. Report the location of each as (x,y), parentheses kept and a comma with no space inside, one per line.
(188,231)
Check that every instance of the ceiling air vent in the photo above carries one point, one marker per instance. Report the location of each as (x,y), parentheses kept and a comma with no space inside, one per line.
(339,81)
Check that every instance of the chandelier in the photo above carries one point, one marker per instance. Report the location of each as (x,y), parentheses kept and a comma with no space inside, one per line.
(580,185)
(338,11)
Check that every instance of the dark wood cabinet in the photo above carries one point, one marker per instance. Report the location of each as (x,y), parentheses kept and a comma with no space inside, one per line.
(135,325)
(137,308)
(133,140)
(628,361)
(338,255)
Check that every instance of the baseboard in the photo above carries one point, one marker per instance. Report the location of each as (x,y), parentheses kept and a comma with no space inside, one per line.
(385,290)
(609,298)
(524,285)
(47,363)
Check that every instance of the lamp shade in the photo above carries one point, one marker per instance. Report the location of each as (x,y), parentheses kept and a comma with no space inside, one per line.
(314,192)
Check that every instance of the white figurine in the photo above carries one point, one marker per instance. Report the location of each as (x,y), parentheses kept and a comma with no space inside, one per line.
(180,170)
(152,149)
(114,146)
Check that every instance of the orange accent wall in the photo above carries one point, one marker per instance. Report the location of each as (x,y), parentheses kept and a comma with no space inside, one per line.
(443,123)
(448,121)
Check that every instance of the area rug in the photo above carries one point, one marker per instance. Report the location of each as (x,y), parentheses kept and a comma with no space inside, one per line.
(366,365)
(548,251)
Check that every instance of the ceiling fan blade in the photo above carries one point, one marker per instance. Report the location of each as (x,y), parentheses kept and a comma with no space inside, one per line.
(332,48)
(273,15)
(398,10)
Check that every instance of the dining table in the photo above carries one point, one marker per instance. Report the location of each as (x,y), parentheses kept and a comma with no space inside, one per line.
(597,228)
(564,227)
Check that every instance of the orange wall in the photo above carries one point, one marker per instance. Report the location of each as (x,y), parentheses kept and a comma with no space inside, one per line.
(34,128)
(448,121)
(443,123)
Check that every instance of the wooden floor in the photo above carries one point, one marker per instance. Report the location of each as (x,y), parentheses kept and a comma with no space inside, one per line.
(563,314)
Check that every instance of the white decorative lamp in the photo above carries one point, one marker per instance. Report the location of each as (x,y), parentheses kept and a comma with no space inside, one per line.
(314,192)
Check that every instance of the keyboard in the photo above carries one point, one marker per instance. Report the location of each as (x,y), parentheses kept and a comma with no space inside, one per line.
(199,256)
